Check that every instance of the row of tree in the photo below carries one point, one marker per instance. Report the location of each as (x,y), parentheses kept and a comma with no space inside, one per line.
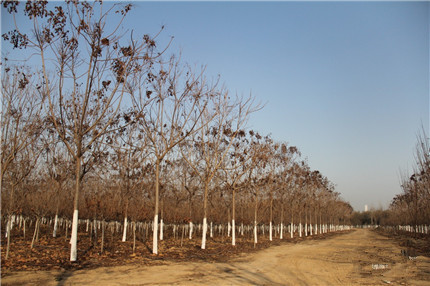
(412,206)
(409,210)
(104,127)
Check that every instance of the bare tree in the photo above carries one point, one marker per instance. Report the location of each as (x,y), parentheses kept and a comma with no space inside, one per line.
(282,175)
(169,101)
(412,205)
(257,172)
(127,157)
(91,69)
(212,143)
(60,168)
(234,170)
(21,124)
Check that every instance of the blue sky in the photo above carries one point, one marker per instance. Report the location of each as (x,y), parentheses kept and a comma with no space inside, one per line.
(345,82)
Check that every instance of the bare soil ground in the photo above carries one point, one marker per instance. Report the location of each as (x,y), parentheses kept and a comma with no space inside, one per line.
(348,259)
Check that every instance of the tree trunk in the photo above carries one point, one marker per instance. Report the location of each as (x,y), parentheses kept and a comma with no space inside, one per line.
(74,237)
(54,232)
(281,235)
(155,225)
(292,226)
(271,218)
(161,220)
(205,211)
(316,221)
(205,228)
(95,231)
(190,212)
(24,229)
(9,220)
(300,224)
(36,230)
(255,219)
(124,233)
(103,237)
(233,218)
(306,223)
(161,229)
(134,237)
(8,229)
(182,235)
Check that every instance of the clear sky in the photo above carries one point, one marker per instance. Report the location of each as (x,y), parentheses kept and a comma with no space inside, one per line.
(345,82)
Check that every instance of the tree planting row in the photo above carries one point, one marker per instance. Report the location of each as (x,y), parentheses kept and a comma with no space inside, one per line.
(103,124)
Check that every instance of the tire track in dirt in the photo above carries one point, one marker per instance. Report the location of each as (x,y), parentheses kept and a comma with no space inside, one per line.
(342,260)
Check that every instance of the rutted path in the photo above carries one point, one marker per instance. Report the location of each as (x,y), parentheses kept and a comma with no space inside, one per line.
(343,260)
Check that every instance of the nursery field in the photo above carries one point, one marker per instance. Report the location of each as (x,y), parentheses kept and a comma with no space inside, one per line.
(121,163)
(359,257)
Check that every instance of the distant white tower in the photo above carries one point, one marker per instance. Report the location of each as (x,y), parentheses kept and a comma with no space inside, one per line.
(365,208)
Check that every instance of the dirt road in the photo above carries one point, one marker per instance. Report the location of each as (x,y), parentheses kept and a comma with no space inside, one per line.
(347,259)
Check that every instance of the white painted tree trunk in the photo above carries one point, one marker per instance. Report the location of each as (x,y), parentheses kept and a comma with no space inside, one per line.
(300,229)
(211,233)
(310,229)
(281,235)
(95,227)
(306,229)
(7,228)
(233,233)
(191,230)
(270,231)
(205,228)
(12,220)
(228,229)
(154,235)
(54,233)
(74,237)
(124,233)
(241,229)
(8,237)
(316,229)
(255,232)
(292,230)
(134,237)
(103,237)
(161,229)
